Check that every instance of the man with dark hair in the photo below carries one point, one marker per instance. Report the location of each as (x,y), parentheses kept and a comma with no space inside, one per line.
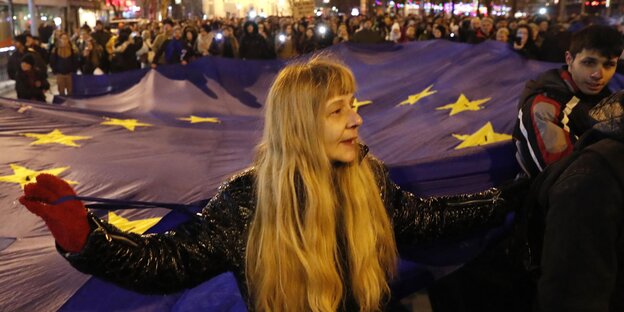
(159,40)
(13,65)
(553,108)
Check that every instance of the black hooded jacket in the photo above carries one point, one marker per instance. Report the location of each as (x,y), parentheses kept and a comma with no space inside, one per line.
(582,198)
(252,45)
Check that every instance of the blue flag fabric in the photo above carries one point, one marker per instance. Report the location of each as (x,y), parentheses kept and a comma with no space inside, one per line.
(439,114)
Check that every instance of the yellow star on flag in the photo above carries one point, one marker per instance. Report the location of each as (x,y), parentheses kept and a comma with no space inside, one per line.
(357,104)
(138,226)
(412,99)
(55,136)
(196,119)
(129,124)
(463,104)
(483,136)
(22,175)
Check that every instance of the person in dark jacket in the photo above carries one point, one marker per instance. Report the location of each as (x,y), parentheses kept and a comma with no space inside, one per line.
(21,49)
(252,45)
(523,43)
(583,249)
(13,65)
(174,49)
(315,212)
(124,51)
(367,34)
(30,81)
(101,37)
(64,63)
(224,43)
(308,43)
(553,108)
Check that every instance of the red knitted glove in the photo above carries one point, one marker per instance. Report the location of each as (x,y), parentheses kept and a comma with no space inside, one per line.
(68,220)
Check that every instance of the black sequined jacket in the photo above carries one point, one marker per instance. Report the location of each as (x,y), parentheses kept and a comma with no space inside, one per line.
(206,247)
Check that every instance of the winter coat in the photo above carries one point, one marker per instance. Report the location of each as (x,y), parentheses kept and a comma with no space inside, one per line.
(582,262)
(553,113)
(215,243)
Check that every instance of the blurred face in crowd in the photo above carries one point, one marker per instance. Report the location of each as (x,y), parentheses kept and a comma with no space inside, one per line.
(99,27)
(342,30)
(288,30)
(189,36)
(18,45)
(249,28)
(177,33)
(227,32)
(64,40)
(388,21)
(513,26)
(309,33)
(25,66)
(487,26)
(502,35)
(590,70)
(534,31)
(523,33)
(167,28)
(84,34)
(475,23)
(29,41)
(436,33)
(543,26)
(410,32)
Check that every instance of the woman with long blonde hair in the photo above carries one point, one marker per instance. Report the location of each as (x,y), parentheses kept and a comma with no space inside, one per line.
(312,226)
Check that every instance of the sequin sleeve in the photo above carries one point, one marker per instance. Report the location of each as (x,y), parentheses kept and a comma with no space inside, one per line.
(417,219)
(169,262)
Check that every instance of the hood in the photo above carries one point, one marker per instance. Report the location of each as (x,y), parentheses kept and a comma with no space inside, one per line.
(255,27)
(608,115)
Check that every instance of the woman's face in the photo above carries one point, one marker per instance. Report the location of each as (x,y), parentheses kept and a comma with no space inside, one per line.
(502,36)
(341,129)
(410,32)
(437,33)
(189,36)
(64,40)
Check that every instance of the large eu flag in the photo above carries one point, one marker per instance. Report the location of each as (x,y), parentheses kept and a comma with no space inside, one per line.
(438,113)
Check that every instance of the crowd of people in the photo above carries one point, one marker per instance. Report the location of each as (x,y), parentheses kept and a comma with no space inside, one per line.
(318,214)
(121,47)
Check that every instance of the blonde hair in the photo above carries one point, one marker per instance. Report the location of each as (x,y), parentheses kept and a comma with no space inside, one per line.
(309,210)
